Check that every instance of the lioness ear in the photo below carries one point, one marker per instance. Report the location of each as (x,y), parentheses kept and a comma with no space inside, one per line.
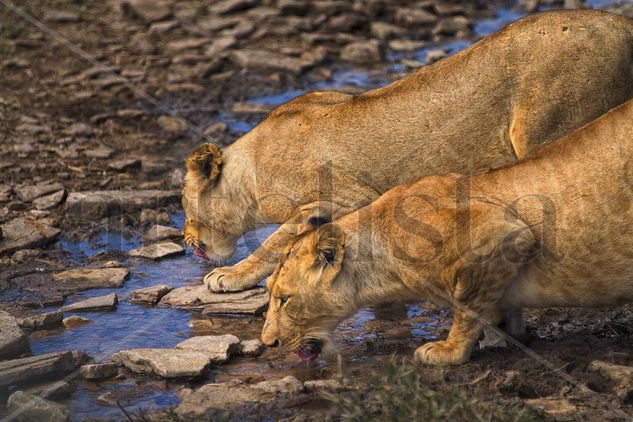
(205,163)
(329,246)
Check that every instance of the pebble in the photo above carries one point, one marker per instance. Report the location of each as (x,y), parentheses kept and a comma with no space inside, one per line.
(99,371)
(362,52)
(75,321)
(171,124)
(147,10)
(51,201)
(252,347)
(125,164)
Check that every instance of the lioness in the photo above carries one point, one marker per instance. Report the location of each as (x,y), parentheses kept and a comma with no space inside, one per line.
(328,153)
(553,230)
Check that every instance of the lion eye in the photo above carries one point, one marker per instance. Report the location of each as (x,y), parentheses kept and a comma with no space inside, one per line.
(283,300)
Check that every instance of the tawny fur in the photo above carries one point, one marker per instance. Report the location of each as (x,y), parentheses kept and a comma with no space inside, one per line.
(332,153)
(552,230)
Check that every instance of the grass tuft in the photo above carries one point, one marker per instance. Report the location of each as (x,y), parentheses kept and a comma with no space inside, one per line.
(401,392)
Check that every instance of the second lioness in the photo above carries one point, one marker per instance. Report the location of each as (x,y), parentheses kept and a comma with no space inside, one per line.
(331,153)
(553,230)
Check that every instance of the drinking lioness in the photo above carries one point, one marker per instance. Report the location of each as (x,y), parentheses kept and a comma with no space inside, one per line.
(552,230)
(328,153)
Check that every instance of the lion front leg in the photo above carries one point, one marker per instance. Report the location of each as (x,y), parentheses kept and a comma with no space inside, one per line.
(251,270)
(456,349)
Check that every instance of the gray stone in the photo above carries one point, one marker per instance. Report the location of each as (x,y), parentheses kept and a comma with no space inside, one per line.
(58,390)
(245,107)
(36,367)
(158,250)
(414,17)
(362,52)
(75,321)
(90,278)
(406,45)
(172,124)
(142,45)
(99,152)
(160,28)
(435,55)
(51,201)
(29,407)
(268,60)
(492,338)
(620,376)
(130,395)
(125,164)
(219,45)
(27,192)
(385,31)
(13,341)
(452,25)
(318,386)
(252,347)
(100,303)
(42,321)
(248,302)
(159,232)
(219,348)
(149,216)
(99,371)
(151,295)
(60,16)
(214,399)
(167,363)
(553,406)
(223,7)
(147,10)
(97,204)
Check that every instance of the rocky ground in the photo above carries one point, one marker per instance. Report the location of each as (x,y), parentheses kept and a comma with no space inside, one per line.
(99,104)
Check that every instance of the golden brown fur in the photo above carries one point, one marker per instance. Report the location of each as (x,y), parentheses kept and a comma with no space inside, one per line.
(552,230)
(331,153)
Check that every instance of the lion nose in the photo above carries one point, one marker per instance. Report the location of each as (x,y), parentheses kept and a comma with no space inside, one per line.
(274,343)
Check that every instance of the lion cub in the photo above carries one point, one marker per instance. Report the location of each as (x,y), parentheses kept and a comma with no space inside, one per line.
(552,230)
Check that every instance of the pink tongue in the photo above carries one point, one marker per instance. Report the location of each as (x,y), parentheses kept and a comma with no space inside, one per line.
(307,356)
(197,252)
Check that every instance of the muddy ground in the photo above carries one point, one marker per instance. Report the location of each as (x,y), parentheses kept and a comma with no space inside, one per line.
(112,96)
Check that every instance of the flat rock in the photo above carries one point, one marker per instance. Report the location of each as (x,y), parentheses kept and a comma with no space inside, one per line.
(147,10)
(27,192)
(129,395)
(22,233)
(318,386)
(60,16)
(97,204)
(414,16)
(99,152)
(36,367)
(151,295)
(248,302)
(553,406)
(220,348)
(98,371)
(75,321)
(215,399)
(30,407)
(13,341)
(167,363)
(125,164)
(268,60)
(158,250)
(252,347)
(620,376)
(159,232)
(42,321)
(362,52)
(492,338)
(90,278)
(100,303)
(51,201)
(229,6)
(57,390)
(219,45)
(172,124)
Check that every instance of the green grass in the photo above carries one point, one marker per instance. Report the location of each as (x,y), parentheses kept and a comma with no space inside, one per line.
(402,392)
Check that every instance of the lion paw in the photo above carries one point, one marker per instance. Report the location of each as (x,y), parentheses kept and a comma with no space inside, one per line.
(440,352)
(229,279)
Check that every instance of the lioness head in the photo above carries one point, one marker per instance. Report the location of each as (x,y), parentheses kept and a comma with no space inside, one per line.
(308,293)
(214,218)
